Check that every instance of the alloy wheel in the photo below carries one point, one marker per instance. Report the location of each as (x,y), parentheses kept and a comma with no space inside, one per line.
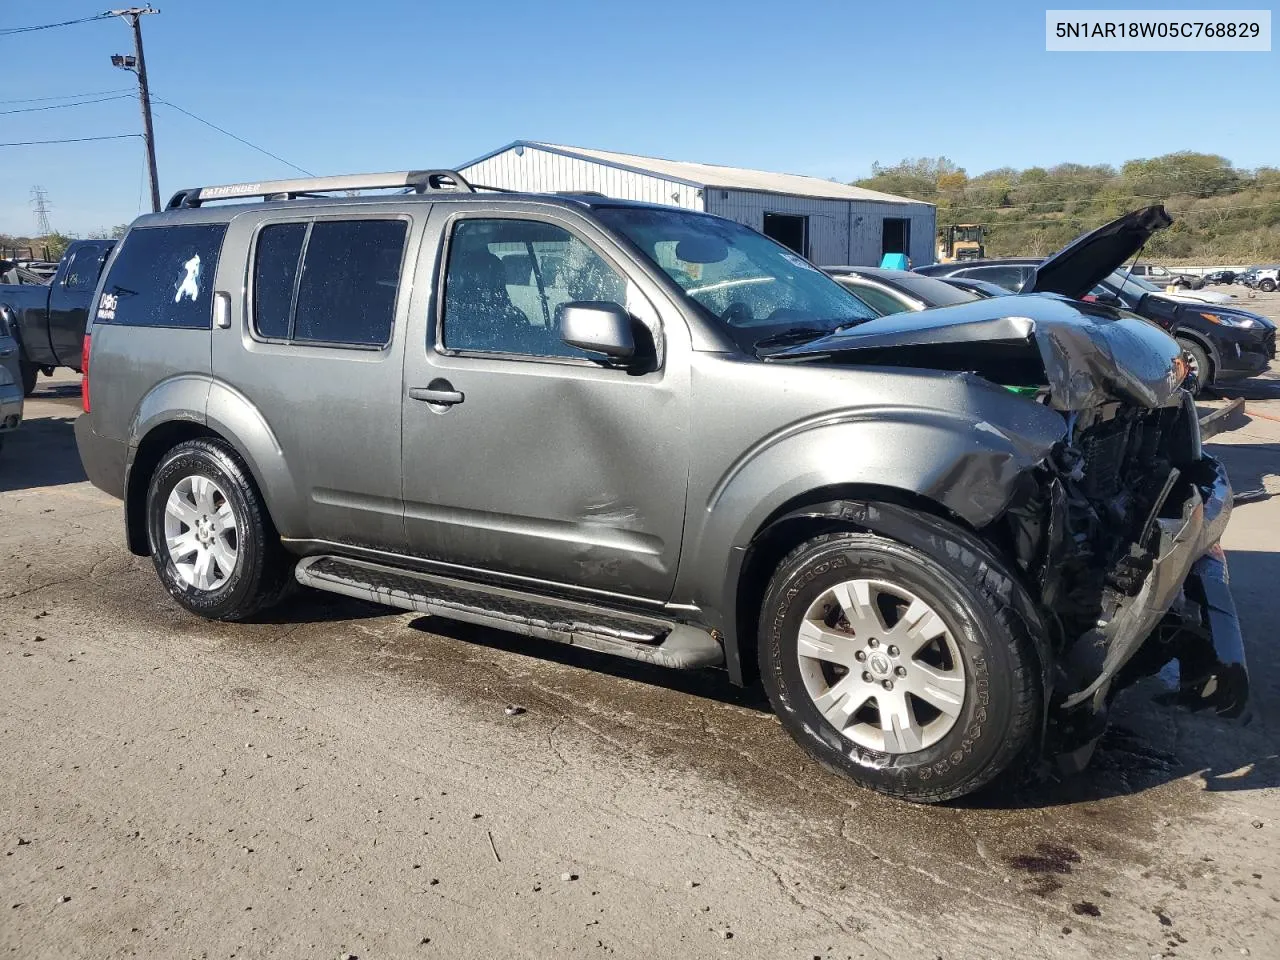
(881,665)
(201,533)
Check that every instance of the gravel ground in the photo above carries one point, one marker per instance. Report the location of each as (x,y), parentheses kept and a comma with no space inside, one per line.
(346,780)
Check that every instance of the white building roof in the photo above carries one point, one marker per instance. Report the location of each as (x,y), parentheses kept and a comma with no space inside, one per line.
(715,176)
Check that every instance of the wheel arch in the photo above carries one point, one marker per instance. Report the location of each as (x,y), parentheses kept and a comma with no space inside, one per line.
(1205,344)
(801,518)
(222,414)
(900,515)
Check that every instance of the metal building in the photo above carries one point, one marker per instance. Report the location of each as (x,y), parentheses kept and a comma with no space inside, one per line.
(828,222)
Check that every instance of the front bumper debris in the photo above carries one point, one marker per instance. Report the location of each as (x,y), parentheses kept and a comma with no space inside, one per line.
(1182,543)
(1209,645)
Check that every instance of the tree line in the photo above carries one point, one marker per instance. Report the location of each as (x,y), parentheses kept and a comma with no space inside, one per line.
(1221,214)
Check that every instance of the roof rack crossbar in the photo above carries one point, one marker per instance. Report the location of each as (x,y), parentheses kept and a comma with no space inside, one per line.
(417,181)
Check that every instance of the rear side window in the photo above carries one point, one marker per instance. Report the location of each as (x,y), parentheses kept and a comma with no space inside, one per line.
(331,281)
(275,273)
(163,277)
(82,270)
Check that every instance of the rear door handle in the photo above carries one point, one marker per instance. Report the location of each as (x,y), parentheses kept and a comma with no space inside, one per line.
(445,396)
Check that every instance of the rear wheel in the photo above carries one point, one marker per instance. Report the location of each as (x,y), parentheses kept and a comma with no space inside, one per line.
(1198,361)
(1267,285)
(211,539)
(29,374)
(899,667)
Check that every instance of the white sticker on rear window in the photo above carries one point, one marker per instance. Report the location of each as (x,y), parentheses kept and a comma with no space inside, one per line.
(107,307)
(190,284)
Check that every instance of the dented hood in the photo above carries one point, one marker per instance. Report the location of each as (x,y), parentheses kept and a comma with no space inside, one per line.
(1086,353)
(1087,260)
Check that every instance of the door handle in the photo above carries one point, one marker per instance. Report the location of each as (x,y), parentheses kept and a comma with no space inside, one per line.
(441,394)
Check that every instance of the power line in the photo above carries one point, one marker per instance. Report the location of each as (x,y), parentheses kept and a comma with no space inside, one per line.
(65,96)
(10,31)
(32,143)
(59,106)
(228,133)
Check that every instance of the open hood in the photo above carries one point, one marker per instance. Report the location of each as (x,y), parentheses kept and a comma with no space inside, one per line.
(1084,262)
(1085,353)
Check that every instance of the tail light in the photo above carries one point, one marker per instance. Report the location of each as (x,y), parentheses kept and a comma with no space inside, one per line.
(84,374)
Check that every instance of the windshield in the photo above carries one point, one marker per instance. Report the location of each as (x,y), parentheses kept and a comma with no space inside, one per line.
(756,288)
(1134,286)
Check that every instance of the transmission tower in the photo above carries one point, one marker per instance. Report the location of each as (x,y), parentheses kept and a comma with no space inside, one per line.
(40,203)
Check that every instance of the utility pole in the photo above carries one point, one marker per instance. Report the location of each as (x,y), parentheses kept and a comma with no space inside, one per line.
(138,64)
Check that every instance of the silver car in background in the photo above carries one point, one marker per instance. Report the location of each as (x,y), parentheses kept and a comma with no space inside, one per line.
(10,382)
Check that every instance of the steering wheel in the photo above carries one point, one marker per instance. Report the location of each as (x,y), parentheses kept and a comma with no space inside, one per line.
(737,313)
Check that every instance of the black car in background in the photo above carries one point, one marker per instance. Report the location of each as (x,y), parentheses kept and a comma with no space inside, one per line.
(1224,343)
(900,291)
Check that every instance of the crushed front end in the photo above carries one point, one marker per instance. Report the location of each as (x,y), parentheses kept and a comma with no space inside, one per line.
(1119,530)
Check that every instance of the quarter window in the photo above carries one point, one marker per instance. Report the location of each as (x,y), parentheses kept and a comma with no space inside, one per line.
(330,281)
(163,277)
(507,279)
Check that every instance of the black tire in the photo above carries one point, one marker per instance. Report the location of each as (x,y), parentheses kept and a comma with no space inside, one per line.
(1267,285)
(261,567)
(1203,365)
(29,374)
(997,723)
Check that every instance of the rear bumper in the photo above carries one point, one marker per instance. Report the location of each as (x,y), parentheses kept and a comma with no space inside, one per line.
(103,458)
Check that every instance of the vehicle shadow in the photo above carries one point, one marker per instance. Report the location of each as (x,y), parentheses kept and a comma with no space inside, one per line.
(705,684)
(1149,743)
(300,605)
(40,453)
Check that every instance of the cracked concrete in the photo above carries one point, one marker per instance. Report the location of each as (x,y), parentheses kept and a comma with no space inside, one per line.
(326,782)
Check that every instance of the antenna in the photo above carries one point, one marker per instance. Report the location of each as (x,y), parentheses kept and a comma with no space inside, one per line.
(41,205)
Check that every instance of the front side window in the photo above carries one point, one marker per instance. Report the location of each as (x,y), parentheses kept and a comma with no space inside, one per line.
(328,281)
(755,288)
(163,277)
(506,280)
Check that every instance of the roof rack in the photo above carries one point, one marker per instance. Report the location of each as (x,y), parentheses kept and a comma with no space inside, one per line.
(418,181)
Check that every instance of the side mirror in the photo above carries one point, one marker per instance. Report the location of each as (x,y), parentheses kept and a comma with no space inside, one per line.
(1109,299)
(597,327)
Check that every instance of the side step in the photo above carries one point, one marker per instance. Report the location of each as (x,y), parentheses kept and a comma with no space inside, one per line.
(661,642)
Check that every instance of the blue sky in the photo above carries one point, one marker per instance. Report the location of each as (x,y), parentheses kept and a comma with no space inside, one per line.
(822,88)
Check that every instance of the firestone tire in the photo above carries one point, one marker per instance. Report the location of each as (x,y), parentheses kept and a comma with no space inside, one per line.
(259,572)
(995,728)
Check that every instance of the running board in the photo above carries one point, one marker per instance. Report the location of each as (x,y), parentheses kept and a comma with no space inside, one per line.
(661,642)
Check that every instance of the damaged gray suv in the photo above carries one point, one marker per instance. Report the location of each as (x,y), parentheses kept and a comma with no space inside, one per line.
(942,540)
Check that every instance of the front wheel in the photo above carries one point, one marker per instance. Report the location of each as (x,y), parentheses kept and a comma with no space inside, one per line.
(1198,361)
(211,539)
(900,667)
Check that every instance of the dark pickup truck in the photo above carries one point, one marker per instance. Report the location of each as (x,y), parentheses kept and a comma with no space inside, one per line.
(48,319)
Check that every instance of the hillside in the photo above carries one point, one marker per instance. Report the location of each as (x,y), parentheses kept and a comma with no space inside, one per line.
(1221,214)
